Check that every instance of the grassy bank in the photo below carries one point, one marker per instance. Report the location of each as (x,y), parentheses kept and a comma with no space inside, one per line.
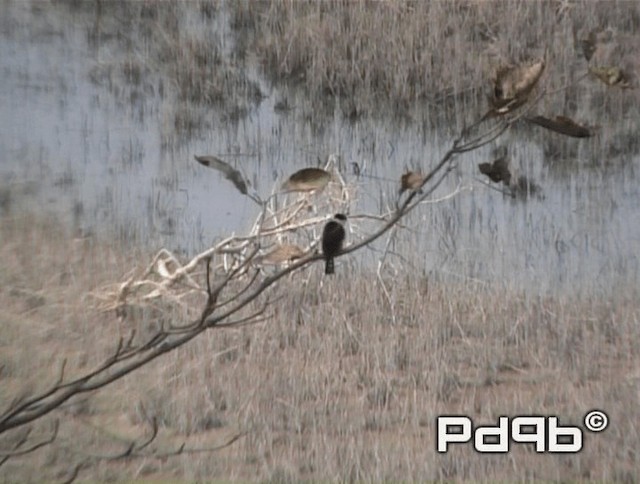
(330,388)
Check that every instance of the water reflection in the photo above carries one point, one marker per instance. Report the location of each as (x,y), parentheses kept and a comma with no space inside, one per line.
(114,156)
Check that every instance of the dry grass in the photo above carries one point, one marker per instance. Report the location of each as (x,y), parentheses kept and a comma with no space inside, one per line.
(407,59)
(435,54)
(327,389)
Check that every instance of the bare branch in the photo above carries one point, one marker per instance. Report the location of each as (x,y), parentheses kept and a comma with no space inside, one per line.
(160,278)
(241,291)
(183,450)
(21,441)
(74,474)
(5,455)
(134,450)
(154,434)
(248,320)
(218,289)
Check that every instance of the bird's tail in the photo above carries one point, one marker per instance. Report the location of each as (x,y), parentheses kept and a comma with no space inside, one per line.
(328,267)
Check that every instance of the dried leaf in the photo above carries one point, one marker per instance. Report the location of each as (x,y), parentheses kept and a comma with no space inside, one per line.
(307,179)
(611,76)
(562,125)
(514,84)
(497,171)
(411,180)
(281,253)
(230,173)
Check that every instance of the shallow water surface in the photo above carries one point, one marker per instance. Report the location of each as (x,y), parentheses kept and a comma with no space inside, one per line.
(110,157)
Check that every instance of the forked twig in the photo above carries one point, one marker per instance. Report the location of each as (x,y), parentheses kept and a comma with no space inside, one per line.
(18,451)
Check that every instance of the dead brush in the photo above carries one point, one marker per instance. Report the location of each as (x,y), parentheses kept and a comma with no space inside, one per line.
(286,220)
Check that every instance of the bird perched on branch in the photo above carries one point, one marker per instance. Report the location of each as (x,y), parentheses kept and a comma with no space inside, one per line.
(333,237)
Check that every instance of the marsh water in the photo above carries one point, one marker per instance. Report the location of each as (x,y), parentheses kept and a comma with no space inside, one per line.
(109,157)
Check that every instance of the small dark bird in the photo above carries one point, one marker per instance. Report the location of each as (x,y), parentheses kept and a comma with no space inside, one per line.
(498,171)
(230,173)
(307,180)
(411,180)
(332,239)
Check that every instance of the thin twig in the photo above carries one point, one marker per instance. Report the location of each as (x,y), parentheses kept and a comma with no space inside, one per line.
(16,453)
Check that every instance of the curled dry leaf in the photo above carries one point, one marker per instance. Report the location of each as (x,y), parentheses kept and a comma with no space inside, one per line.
(307,179)
(589,45)
(497,171)
(611,76)
(512,85)
(412,180)
(562,125)
(230,173)
(281,253)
